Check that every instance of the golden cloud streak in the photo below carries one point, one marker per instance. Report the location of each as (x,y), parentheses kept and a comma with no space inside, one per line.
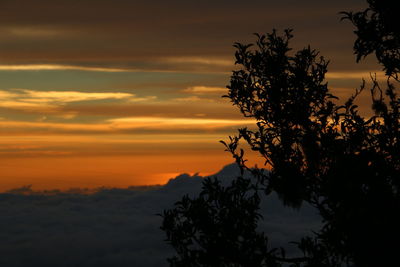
(60,67)
(179,61)
(192,99)
(29,142)
(199,60)
(355,75)
(37,67)
(121,125)
(177,121)
(181,65)
(21,105)
(205,90)
(23,99)
(70,96)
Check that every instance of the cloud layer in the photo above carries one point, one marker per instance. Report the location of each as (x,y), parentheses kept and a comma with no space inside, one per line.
(191,35)
(114,227)
(19,98)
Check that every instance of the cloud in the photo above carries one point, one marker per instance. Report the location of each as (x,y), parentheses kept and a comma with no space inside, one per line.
(25,105)
(167,109)
(358,75)
(206,90)
(34,32)
(38,67)
(192,99)
(142,99)
(175,122)
(115,227)
(152,65)
(199,60)
(202,94)
(50,101)
(69,96)
(125,125)
(190,34)
(6,94)
(10,126)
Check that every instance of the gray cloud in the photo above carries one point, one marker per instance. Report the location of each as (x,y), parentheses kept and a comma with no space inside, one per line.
(141,34)
(114,227)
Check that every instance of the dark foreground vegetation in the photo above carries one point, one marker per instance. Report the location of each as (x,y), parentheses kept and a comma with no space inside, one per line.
(319,152)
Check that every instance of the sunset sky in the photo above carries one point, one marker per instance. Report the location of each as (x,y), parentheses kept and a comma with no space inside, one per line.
(118,93)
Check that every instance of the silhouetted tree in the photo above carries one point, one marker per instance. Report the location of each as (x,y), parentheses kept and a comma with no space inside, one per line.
(218,227)
(378,31)
(319,152)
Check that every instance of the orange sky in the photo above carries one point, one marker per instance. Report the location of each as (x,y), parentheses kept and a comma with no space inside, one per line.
(49,162)
(119,93)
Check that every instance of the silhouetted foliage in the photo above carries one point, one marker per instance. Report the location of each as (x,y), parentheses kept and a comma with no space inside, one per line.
(218,227)
(319,152)
(378,31)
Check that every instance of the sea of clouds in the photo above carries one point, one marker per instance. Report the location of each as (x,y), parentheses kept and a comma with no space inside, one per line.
(116,227)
